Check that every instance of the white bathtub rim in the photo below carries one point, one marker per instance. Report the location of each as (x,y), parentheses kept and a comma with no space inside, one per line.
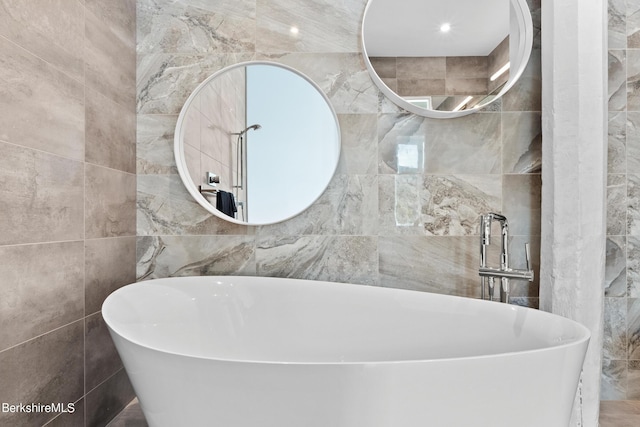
(583,332)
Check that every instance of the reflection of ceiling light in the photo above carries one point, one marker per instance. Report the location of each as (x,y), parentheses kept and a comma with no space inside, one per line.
(294,30)
(445,27)
(463,103)
(501,71)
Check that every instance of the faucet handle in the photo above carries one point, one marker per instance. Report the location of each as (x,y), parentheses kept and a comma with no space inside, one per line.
(527,254)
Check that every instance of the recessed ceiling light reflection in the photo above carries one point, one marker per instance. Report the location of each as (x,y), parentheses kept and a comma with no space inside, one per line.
(294,30)
(445,28)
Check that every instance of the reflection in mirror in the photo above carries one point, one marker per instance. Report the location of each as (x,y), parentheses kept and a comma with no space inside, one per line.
(257,143)
(446,58)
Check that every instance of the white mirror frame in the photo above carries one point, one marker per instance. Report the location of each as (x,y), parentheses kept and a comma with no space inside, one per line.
(178,143)
(524,44)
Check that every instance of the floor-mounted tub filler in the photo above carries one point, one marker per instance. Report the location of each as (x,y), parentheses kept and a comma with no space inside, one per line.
(268,352)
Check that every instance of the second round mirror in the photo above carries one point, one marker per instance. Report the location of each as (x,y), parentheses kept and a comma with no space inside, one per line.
(446,58)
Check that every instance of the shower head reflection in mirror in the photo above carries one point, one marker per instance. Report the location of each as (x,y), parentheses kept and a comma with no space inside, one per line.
(269,132)
(252,127)
(446,58)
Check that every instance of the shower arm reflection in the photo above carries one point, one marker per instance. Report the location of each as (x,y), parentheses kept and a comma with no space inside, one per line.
(240,153)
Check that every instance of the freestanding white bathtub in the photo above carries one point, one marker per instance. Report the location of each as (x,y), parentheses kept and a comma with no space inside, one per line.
(267,352)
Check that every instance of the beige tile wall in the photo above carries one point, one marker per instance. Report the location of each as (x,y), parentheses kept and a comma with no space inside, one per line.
(67,203)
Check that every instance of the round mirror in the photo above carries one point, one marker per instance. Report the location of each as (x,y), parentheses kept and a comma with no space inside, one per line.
(446,58)
(257,143)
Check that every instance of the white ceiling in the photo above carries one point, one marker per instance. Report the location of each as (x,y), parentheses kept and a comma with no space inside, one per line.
(412,27)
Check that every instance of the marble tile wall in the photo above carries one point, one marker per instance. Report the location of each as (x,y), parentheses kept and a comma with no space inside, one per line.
(379,222)
(67,203)
(621,353)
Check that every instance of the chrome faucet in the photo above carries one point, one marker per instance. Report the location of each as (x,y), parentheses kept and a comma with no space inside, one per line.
(504,273)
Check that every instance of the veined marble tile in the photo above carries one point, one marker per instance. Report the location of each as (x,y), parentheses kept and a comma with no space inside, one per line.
(633,79)
(187,26)
(42,196)
(52,30)
(166,207)
(453,204)
(110,200)
(110,57)
(323,25)
(526,93)
(29,309)
(617,141)
(521,200)
(386,106)
(344,208)
(40,107)
(439,264)
(347,259)
(633,204)
(615,283)
(359,139)
(521,142)
(469,145)
(615,328)
(613,384)
(632,142)
(633,328)
(633,24)
(633,266)
(110,133)
(170,256)
(616,205)
(617,24)
(154,148)
(617,80)
(343,77)
(165,81)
